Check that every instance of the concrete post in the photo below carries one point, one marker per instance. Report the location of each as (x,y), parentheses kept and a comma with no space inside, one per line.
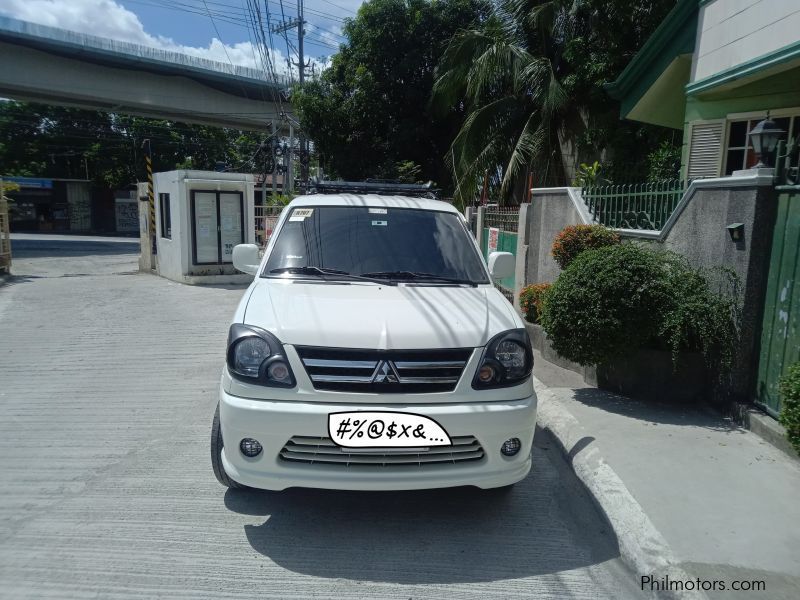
(469,211)
(523,239)
(146,246)
(479,228)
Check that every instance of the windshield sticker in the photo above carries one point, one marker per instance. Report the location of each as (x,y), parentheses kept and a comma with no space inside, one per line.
(378,211)
(380,223)
(301,214)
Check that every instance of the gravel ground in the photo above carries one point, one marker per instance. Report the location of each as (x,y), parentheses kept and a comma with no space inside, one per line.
(107,389)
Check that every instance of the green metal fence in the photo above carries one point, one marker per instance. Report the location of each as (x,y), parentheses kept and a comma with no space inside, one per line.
(634,206)
(780,326)
(506,222)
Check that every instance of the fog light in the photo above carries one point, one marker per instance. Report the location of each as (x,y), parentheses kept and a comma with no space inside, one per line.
(486,373)
(278,371)
(509,447)
(250,447)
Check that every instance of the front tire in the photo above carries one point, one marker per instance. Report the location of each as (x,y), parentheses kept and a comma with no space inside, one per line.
(216,455)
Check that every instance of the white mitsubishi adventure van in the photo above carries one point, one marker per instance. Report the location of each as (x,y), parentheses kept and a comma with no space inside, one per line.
(373,352)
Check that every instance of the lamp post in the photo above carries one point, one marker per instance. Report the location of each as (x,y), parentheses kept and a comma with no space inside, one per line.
(765,137)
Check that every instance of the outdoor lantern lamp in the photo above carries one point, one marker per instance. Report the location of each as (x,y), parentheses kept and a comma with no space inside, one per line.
(765,137)
(736,231)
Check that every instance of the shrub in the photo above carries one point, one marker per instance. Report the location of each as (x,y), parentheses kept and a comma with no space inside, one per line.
(573,240)
(789,389)
(590,175)
(664,162)
(530,300)
(612,301)
(700,319)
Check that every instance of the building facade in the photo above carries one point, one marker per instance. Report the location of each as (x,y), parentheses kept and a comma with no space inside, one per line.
(713,69)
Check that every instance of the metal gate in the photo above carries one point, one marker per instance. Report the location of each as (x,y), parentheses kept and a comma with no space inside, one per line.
(266,218)
(499,234)
(780,333)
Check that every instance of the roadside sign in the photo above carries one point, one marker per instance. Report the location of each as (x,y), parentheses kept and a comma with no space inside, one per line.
(494,236)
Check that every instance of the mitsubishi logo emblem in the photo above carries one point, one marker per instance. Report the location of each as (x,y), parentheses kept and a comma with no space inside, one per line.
(385,373)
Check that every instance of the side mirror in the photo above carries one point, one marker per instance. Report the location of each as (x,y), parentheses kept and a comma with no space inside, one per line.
(501,265)
(246,259)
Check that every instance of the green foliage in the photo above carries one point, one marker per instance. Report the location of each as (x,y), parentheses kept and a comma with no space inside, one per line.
(574,239)
(531,300)
(789,389)
(590,175)
(700,318)
(279,199)
(664,163)
(368,113)
(605,303)
(531,77)
(51,141)
(408,172)
(611,301)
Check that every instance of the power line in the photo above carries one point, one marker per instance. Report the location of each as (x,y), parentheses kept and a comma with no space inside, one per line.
(351,11)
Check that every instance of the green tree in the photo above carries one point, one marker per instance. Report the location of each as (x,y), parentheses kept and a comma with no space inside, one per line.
(369,114)
(52,141)
(531,80)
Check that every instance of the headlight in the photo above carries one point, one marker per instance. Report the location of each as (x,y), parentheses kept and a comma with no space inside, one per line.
(256,356)
(506,361)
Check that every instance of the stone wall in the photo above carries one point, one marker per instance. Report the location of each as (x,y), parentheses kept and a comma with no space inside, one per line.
(550,211)
(697,230)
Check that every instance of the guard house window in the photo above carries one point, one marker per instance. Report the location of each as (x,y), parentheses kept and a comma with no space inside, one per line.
(166,221)
(739,152)
(217,226)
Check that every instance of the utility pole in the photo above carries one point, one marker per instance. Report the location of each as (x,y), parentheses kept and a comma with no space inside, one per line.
(301,65)
(272,142)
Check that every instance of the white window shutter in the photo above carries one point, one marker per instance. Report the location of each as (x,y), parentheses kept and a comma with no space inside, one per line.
(705,149)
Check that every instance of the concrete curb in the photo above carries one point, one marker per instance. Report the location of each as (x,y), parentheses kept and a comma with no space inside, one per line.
(641,545)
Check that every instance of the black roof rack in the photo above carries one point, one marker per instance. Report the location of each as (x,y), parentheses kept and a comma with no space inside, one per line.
(374,186)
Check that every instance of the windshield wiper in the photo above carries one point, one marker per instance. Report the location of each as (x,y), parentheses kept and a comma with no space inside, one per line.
(321,272)
(418,275)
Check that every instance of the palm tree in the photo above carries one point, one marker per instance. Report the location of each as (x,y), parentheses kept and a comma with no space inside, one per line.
(506,77)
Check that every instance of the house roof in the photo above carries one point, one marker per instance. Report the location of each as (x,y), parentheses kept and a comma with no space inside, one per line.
(651,88)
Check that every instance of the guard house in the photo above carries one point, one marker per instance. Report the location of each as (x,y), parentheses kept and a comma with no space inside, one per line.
(200,217)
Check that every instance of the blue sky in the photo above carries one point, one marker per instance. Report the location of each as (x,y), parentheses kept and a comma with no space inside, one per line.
(186,25)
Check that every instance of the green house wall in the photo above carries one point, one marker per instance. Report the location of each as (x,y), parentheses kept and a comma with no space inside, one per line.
(775,92)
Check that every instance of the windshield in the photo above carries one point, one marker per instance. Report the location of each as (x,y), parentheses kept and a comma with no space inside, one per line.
(392,243)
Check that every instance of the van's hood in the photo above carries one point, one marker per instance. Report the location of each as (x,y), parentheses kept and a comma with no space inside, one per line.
(379,316)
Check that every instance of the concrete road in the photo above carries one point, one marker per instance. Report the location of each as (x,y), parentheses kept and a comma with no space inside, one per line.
(107,390)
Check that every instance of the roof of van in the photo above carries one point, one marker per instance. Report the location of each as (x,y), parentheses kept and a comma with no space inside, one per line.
(372,200)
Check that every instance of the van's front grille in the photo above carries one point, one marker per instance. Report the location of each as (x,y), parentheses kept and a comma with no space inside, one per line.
(322,451)
(384,372)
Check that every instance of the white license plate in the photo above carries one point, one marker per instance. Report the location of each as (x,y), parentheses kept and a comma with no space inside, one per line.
(385,429)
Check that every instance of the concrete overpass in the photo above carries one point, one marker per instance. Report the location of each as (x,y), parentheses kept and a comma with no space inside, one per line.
(56,66)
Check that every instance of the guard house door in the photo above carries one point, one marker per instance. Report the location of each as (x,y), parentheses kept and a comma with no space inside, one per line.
(217,226)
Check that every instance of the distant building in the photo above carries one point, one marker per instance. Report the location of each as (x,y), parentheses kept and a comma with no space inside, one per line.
(76,205)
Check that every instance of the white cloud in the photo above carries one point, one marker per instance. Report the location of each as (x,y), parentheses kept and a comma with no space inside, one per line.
(106,18)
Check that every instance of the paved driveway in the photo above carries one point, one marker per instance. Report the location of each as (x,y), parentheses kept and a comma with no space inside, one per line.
(107,390)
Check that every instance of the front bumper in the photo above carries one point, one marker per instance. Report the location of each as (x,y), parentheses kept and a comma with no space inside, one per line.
(272,423)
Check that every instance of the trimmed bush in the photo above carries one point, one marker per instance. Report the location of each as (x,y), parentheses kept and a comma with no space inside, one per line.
(573,240)
(612,301)
(531,298)
(789,389)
